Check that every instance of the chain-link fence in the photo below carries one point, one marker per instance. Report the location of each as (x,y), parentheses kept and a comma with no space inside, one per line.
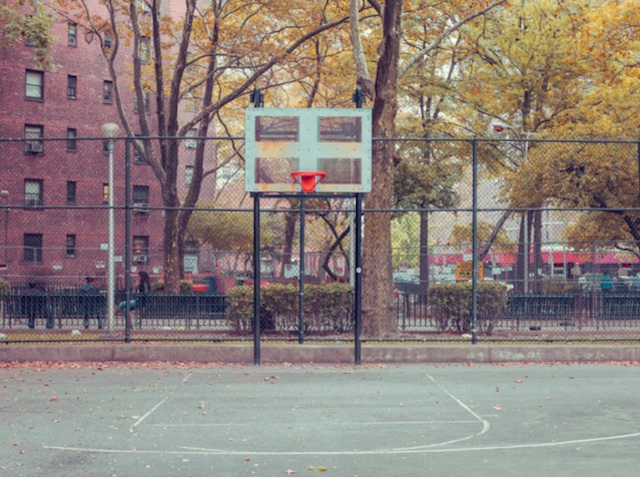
(554,224)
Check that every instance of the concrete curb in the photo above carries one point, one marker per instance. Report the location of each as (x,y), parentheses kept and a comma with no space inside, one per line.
(317,353)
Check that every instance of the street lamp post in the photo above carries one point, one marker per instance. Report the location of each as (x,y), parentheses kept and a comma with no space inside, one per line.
(110,132)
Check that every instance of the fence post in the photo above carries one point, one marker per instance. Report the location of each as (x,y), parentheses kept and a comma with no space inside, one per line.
(127,241)
(256,279)
(301,275)
(474,244)
(358,279)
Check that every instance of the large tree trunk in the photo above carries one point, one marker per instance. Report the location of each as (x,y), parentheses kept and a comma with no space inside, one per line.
(377,285)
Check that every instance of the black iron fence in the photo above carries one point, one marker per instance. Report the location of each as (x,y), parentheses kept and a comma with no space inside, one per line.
(567,256)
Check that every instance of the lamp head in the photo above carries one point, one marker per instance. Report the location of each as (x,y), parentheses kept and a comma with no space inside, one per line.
(110,130)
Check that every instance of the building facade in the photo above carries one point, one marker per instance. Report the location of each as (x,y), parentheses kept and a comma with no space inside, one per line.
(54,168)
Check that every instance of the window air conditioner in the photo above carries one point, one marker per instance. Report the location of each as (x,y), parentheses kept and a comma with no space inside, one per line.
(141,208)
(140,258)
(34,147)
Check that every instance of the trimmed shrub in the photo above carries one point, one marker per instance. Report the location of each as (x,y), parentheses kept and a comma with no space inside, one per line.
(451,305)
(328,308)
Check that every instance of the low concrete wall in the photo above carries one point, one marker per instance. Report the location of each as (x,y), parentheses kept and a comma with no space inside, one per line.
(317,353)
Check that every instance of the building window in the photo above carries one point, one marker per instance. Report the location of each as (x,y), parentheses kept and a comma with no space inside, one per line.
(190,142)
(32,247)
(147,103)
(140,249)
(34,85)
(107,91)
(72,34)
(143,6)
(71,245)
(188,175)
(72,86)
(137,157)
(33,192)
(108,40)
(144,50)
(141,199)
(105,193)
(33,135)
(72,135)
(71,192)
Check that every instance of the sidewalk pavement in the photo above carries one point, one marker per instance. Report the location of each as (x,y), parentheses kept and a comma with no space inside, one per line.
(321,353)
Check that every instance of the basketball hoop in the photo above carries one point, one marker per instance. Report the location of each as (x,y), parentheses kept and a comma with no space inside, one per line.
(308,179)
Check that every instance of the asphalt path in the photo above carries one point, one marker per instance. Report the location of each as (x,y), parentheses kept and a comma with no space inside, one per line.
(156,419)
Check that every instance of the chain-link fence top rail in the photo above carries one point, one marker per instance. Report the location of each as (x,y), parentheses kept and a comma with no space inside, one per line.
(572,205)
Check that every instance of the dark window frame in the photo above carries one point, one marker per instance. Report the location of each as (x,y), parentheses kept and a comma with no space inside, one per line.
(107,92)
(33,199)
(72,87)
(32,247)
(72,188)
(34,73)
(72,139)
(33,134)
(72,34)
(71,245)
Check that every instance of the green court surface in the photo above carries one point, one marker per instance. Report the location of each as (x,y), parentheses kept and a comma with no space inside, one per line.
(108,419)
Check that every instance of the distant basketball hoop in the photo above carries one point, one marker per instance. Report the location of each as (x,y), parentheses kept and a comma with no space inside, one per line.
(308,180)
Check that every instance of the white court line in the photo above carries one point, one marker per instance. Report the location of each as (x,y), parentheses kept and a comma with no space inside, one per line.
(485,423)
(186,379)
(393,451)
(143,417)
(351,424)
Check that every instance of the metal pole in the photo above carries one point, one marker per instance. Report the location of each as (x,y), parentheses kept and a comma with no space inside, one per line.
(110,132)
(474,247)
(525,218)
(256,279)
(111,273)
(301,275)
(127,241)
(358,279)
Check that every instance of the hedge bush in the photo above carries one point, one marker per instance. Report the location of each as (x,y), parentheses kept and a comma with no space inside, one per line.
(451,305)
(328,308)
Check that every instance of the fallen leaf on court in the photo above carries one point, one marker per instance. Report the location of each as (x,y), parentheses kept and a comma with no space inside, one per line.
(53,399)
(322,468)
(311,468)
(497,407)
(247,459)
(518,380)
(497,389)
(290,472)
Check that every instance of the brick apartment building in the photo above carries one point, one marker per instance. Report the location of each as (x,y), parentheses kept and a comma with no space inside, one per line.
(54,171)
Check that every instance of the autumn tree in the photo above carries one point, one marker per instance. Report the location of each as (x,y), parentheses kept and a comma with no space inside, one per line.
(603,178)
(378,317)
(209,55)
(522,73)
